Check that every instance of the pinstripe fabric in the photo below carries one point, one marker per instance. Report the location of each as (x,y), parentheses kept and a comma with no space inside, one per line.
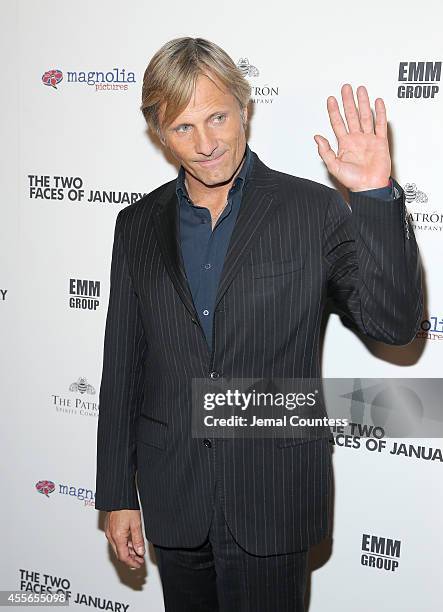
(295,245)
(220,576)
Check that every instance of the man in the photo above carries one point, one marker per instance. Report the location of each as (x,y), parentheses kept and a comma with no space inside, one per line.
(225,272)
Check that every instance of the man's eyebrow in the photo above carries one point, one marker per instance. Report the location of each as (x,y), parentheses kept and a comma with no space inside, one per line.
(219,112)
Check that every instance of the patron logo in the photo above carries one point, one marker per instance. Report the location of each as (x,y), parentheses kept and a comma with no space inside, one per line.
(84,294)
(116,79)
(82,386)
(412,194)
(419,79)
(380,553)
(246,68)
(261,93)
(80,405)
(421,211)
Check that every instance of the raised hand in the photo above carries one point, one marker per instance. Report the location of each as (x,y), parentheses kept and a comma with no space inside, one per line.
(363,160)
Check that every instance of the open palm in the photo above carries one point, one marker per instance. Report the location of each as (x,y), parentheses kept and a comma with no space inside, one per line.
(363,160)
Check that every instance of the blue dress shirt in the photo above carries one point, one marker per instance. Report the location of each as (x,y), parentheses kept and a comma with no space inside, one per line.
(204,249)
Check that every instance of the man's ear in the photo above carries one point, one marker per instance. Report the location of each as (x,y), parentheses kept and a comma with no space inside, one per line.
(161,137)
(244,115)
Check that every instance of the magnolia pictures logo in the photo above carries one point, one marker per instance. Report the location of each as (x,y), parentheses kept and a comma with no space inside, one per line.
(45,487)
(49,487)
(80,400)
(52,78)
(116,79)
(261,93)
(431,329)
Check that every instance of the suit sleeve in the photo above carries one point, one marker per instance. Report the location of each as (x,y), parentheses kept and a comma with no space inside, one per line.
(373,266)
(121,389)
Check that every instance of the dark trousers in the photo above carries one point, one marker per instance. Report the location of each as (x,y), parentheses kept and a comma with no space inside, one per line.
(220,576)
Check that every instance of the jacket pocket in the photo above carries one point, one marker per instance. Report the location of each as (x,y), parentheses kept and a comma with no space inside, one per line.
(152,432)
(276,268)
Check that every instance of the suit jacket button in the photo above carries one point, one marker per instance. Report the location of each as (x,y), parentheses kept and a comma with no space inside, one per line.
(207,443)
(214,374)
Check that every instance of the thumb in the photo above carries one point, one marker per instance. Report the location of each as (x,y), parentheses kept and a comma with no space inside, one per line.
(137,540)
(325,151)
(139,548)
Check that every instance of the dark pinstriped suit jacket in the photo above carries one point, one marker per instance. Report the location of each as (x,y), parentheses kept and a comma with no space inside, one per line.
(295,244)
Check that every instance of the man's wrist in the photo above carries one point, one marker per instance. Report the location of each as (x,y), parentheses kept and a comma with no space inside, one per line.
(361,189)
(383,193)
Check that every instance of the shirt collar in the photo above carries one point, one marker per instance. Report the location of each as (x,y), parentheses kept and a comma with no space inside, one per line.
(238,183)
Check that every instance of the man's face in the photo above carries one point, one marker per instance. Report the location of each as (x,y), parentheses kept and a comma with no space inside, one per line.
(208,137)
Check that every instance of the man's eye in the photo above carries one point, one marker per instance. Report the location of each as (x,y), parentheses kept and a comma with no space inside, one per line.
(182,128)
(219,118)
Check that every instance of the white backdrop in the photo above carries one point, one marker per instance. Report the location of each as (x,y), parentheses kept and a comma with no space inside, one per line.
(55,246)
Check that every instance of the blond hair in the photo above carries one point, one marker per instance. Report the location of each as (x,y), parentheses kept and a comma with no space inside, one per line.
(172,73)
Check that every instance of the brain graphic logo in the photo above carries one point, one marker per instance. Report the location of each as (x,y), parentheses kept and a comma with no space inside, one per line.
(52,78)
(45,487)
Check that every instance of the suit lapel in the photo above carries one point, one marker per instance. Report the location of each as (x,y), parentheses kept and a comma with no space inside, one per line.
(166,223)
(256,209)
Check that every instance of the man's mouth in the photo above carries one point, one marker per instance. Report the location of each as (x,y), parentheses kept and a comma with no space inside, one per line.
(211,162)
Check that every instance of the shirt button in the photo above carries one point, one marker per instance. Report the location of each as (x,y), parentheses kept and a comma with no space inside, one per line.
(214,374)
(207,443)
(207,266)
(206,312)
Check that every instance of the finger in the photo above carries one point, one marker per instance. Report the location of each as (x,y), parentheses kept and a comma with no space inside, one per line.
(381,124)
(133,554)
(337,123)
(326,153)
(364,109)
(351,111)
(123,555)
(137,538)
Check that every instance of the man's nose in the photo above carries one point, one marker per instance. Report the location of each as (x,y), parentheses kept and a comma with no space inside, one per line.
(204,142)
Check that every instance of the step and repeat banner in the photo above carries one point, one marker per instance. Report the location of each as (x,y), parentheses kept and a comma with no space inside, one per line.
(76,151)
